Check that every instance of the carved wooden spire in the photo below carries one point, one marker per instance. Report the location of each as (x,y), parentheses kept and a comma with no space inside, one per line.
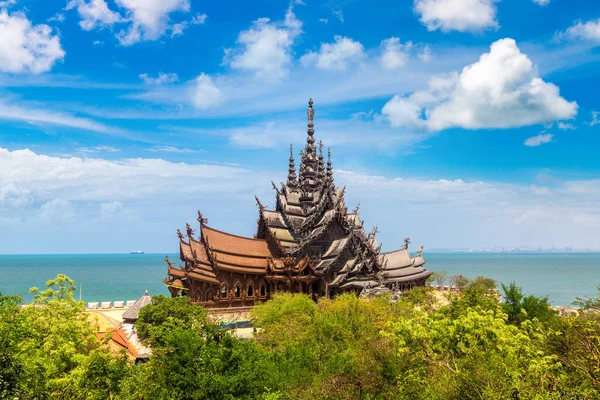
(329,166)
(321,171)
(309,159)
(291,179)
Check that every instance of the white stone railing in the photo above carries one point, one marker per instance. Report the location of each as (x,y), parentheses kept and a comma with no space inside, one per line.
(110,305)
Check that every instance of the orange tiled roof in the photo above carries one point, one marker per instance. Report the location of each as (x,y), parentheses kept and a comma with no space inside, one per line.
(238,245)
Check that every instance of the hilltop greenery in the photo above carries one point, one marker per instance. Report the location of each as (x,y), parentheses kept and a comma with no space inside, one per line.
(470,345)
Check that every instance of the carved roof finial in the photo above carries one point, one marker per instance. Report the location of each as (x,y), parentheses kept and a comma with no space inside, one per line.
(169,262)
(260,206)
(190,232)
(203,221)
(355,211)
(420,251)
(406,242)
(179,234)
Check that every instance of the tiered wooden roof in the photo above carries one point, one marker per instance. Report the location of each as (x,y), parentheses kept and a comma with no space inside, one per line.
(310,225)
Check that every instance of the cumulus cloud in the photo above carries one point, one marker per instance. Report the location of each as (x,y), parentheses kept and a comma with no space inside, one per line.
(56,210)
(589,30)
(161,79)
(205,93)
(94,14)
(26,47)
(538,140)
(501,90)
(266,48)
(14,197)
(146,20)
(457,15)
(394,54)
(338,55)
(149,18)
(76,179)
(111,208)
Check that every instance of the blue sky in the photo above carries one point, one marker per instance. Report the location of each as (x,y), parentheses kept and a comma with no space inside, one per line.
(460,123)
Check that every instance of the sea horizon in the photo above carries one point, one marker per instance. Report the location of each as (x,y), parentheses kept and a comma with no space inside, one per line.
(125,276)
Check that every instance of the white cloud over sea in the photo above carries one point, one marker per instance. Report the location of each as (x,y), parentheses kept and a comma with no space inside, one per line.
(94,204)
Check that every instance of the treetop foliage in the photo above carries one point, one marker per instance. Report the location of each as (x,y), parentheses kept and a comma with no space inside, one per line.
(472,346)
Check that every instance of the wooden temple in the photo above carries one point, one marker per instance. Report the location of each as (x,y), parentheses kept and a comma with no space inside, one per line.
(310,243)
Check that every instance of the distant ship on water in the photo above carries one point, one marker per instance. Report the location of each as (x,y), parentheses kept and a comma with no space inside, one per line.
(137,252)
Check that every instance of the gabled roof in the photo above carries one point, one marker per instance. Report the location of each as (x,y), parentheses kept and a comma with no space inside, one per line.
(233,244)
(133,312)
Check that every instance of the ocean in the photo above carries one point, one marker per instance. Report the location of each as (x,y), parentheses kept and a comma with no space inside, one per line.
(110,277)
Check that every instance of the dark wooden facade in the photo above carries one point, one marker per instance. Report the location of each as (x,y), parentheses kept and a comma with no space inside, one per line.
(309,243)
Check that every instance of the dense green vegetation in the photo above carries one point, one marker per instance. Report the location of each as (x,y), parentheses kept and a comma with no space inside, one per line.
(470,345)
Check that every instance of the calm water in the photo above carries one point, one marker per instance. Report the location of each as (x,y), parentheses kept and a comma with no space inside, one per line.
(110,277)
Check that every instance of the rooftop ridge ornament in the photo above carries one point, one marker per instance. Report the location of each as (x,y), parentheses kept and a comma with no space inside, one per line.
(406,242)
(355,211)
(179,234)
(190,232)
(203,221)
(259,204)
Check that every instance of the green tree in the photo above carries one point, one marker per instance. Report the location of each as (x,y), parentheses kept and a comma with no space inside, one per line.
(11,331)
(459,281)
(157,321)
(520,308)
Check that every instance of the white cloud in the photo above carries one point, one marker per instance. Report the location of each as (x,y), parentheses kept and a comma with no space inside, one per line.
(161,79)
(14,197)
(94,14)
(595,118)
(145,20)
(98,149)
(538,140)
(339,14)
(7,3)
(42,116)
(457,15)
(324,20)
(199,19)
(589,30)
(26,47)
(48,117)
(501,90)
(205,93)
(149,18)
(56,210)
(172,149)
(394,54)
(425,54)
(77,180)
(111,208)
(542,2)
(58,17)
(565,127)
(338,55)
(266,48)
